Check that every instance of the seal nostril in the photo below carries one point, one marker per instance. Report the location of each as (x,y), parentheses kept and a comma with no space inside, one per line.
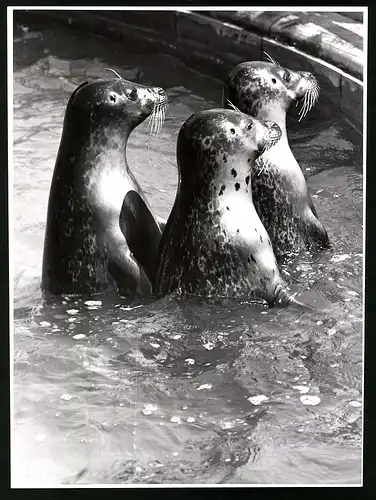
(232,130)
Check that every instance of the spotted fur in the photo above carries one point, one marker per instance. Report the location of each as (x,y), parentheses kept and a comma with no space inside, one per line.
(266,90)
(214,243)
(87,250)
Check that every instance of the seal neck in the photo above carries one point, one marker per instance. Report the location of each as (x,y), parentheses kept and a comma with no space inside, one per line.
(231,180)
(109,143)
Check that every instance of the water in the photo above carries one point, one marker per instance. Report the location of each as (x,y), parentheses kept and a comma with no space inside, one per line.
(175,390)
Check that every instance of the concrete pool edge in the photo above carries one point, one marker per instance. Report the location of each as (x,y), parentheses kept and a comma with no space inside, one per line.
(319,34)
(217,45)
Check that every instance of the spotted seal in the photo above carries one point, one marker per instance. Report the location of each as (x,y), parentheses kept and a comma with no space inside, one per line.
(214,243)
(266,90)
(101,234)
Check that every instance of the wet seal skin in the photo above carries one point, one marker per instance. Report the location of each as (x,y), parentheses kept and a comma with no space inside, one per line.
(265,90)
(99,221)
(214,243)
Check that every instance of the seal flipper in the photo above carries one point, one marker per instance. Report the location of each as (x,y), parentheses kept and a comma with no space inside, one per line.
(312,206)
(123,267)
(141,231)
(316,232)
(310,300)
(162,222)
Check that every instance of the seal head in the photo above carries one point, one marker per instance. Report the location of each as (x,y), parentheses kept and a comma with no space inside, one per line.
(266,89)
(214,243)
(115,101)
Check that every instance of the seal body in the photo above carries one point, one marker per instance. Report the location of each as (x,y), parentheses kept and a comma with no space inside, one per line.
(214,243)
(280,194)
(101,234)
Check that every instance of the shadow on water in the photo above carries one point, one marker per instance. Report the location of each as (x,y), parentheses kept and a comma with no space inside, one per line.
(128,390)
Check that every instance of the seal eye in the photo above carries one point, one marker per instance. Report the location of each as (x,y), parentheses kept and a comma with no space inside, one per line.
(274,80)
(112,97)
(232,130)
(249,126)
(133,95)
(287,76)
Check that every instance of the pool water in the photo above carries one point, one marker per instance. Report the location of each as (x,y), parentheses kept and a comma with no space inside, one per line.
(177,391)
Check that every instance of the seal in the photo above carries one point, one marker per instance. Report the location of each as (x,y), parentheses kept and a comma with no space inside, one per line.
(214,243)
(265,90)
(101,234)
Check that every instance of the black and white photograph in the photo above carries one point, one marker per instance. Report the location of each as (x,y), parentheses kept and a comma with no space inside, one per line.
(186,246)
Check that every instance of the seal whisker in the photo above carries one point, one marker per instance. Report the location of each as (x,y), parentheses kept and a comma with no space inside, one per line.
(148,120)
(155,124)
(309,97)
(263,163)
(312,99)
(303,113)
(157,117)
(303,110)
(309,105)
(262,152)
(270,59)
(312,96)
(163,116)
(309,100)
(159,121)
(156,121)
(116,73)
(317,92)
(271,142)
(233,106)
(261,160)
(303,101)
(151,119)
(164,107)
